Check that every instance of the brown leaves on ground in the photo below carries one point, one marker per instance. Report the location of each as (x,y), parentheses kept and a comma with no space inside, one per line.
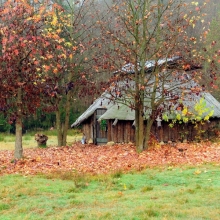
(105,159)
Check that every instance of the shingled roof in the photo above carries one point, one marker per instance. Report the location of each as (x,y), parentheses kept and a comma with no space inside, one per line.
(123,112)
(150,64)
(120,111)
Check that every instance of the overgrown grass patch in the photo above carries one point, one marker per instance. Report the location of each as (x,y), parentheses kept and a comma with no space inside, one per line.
(160,193)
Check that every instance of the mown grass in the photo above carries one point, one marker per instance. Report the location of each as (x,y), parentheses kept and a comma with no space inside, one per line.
(7,141)
(160,193)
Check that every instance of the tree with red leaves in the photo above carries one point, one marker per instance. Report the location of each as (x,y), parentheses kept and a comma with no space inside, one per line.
(32,52)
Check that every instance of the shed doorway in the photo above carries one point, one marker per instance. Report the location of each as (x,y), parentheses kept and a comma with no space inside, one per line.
(100,130)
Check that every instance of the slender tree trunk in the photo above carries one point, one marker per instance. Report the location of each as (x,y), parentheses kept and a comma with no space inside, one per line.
(147,129)
(137,126)
(151,119)
(139,132)
(148,132)
(59,128)
(138,111)
(67,117)
(141,109)
(62,128)
(140,128)
(139,119)
(18,154)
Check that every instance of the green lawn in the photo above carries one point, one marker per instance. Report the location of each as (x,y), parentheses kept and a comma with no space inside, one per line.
(160,193)
(7,141)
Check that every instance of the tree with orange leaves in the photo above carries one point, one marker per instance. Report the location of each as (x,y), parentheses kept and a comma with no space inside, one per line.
(31,54)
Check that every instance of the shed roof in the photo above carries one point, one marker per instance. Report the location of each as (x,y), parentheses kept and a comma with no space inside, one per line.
(102,102)
(123,112)
(149,65)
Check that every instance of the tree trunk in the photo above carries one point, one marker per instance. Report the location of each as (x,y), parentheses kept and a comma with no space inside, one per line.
(139,110)
(137,129)
(139,122)
(18,154)
(148,132)
(138,136)
(140,129)
(67,118)
(62,128)
(59,128)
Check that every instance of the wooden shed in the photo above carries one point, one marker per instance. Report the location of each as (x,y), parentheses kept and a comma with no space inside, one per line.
(109,120)
(104,121)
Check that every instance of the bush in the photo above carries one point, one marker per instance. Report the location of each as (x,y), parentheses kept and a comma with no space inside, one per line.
(4,125)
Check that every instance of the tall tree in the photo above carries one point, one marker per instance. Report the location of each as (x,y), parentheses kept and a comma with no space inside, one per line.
(211,53)
(149,30)
(32,54)
(77,24)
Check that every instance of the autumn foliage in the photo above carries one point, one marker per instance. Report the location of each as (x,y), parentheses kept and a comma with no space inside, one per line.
(32,53)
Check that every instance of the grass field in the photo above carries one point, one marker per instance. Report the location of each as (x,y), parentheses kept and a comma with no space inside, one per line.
(160,193)
(7,141)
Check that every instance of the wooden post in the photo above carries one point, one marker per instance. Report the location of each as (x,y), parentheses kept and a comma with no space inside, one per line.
(115,133)
(126,131)
(109,132)
(120,132)
(132,134)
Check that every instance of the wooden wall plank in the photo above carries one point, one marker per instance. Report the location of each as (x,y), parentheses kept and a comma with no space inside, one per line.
(124,132)
(109,132)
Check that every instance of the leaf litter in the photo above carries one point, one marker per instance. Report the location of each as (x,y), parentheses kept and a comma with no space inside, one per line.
(103,159)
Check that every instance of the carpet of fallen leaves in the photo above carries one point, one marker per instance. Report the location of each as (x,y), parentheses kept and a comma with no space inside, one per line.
(106,159)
